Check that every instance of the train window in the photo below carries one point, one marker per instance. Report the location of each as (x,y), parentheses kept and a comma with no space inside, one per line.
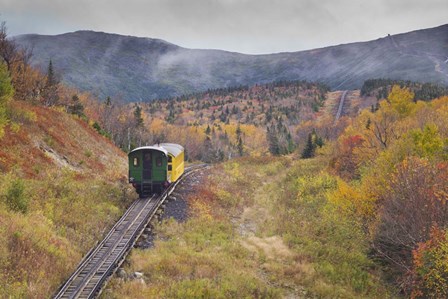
(170,167)
(159,162)
(170,159)
(135,161)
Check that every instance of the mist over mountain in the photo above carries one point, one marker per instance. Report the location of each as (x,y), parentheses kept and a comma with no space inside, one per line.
(137,69)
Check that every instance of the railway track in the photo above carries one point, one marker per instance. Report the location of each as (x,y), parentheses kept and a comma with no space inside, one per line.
(102,261)
(341,105)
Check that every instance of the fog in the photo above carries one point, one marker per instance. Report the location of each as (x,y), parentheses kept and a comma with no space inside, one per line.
(246,26)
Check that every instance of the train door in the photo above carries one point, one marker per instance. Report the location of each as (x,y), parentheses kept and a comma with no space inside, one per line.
(170,168)
(147,165)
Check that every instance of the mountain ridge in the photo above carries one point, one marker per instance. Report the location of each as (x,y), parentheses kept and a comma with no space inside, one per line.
(142,68)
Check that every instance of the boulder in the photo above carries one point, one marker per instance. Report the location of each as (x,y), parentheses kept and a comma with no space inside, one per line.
(121,273)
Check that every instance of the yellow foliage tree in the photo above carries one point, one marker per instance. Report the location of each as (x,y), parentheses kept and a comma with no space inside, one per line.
(401,100)
(352,201)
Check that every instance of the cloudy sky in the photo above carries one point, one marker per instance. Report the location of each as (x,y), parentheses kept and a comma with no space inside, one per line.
(247,26)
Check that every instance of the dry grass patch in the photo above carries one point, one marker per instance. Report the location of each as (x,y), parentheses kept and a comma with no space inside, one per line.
(272,247)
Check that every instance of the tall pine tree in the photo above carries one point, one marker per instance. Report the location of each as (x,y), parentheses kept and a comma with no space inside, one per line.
(239,141)
(138,116)
(310,147)
(50,92)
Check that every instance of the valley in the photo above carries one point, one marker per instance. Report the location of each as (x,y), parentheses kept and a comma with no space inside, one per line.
(326,169)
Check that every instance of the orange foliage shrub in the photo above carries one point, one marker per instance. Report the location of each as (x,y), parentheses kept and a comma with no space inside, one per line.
(430,270)
(346,162)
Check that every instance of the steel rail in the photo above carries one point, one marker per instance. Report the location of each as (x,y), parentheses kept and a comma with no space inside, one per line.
(341,105)
(94,270)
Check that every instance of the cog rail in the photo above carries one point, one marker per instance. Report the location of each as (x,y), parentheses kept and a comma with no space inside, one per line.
(104,259)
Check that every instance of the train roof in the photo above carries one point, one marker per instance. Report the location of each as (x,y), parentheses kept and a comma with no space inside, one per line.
(154,147)
(167,148)
(172,148)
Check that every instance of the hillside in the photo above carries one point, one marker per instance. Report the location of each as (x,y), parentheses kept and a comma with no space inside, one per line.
(275,117)
(143,69)
(43,139)
(364,216)
(62,185)
(219,124)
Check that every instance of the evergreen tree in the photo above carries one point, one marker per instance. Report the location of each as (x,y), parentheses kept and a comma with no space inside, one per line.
(51,77)
(208,130)
(369,122)
(291,145)
(222,117)
(50,92)
(207,153)
(171,116)
(240,146)
(239,141)
(319,141)
(108,102)
(220,155)
(238,130)
(138,116)
(76,107)
(274,147)
(308,151)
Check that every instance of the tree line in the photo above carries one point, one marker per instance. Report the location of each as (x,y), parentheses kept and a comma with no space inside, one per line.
(422,91)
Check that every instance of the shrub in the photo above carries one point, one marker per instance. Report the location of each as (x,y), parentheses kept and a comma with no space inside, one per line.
(431,266)
(6,92)
(415,201)
(15,196)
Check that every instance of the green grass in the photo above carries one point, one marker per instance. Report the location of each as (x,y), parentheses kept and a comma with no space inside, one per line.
(200,259)
(272,233)
(46,226)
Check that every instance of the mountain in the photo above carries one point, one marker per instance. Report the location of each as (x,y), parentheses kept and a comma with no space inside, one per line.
(143,69)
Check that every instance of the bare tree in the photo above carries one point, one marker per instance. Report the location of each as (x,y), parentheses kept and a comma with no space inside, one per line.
(8,48)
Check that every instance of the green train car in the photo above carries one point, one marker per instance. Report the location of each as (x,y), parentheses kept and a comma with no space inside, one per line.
(153,168)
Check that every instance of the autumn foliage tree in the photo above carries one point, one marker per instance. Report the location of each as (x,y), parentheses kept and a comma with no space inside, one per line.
(393,167)
(27,81)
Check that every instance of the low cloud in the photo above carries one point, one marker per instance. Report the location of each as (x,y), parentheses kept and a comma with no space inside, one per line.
(248,26)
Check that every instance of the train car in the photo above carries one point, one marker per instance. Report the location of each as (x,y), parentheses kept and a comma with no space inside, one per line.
(153,168)
(175,160)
